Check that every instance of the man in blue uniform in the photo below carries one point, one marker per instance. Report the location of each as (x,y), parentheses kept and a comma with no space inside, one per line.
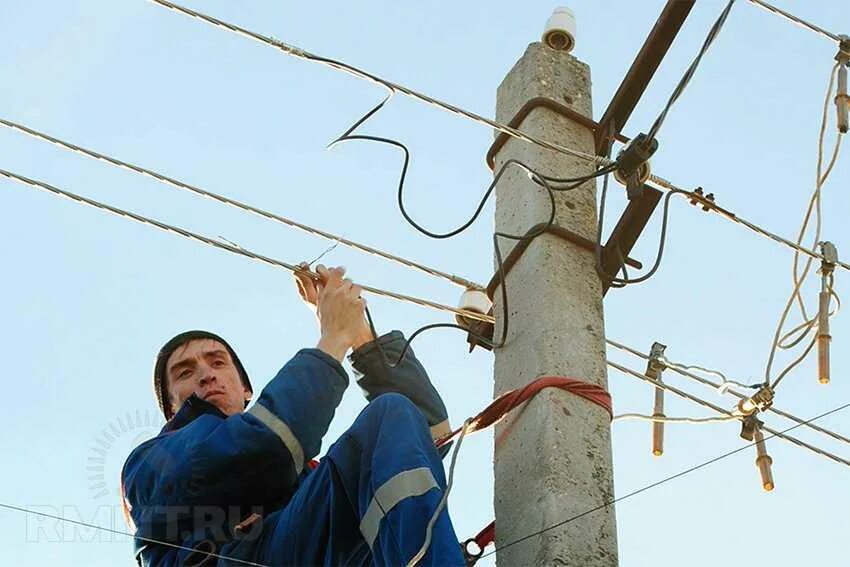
(224,486)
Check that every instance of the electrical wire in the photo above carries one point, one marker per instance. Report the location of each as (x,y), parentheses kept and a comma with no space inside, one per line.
(658,181)
(622,282)
(718,409)
(546,181)
(665,185)
(722,388)
(122,533)
(799,277)
(65,145)
(689,73)
(679,369)
(612,280)
(429,529)
(797,20)
(389,85)
(666,419)
(230,248)
(657,483)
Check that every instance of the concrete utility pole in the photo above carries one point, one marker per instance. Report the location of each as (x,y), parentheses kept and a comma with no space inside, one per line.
(553,459)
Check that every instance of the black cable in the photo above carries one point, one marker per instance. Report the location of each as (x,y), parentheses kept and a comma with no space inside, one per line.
(662,481)
(545,181)
(622,282)
(689,73)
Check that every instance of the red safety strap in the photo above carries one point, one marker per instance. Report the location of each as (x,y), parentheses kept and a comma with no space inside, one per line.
(499,408)
(502,405)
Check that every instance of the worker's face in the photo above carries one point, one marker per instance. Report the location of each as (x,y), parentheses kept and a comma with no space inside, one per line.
(204,367)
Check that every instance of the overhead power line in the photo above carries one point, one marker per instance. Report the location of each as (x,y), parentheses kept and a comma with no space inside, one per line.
(658,181)
(797,20)
(391,86)
(689,73)
(699,199)
(718,409)
(239,205)
(658,483)
(706,382)
(228,247)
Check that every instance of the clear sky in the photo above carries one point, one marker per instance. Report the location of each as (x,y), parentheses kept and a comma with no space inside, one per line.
(89,298)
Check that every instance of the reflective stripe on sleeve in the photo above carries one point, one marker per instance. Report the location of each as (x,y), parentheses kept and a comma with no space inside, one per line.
(414,482)
(283,431)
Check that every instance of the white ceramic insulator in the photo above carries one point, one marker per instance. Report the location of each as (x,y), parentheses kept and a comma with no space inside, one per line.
(474,300)
(560,30)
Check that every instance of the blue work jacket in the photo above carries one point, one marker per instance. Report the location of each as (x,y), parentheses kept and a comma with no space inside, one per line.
(205,472)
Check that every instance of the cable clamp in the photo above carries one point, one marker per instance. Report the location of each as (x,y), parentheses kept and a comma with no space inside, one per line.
(843,55)
(698,198)
(759,401)
(633,164)
(749,426)
(656,365)
(829,257)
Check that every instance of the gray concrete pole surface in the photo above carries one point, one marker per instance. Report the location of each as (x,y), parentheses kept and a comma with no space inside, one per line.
(553,457)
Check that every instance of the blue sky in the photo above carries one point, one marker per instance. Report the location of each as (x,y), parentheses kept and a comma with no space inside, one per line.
(89,298)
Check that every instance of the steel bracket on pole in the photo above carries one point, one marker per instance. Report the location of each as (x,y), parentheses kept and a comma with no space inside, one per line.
(527,108)
(626,233)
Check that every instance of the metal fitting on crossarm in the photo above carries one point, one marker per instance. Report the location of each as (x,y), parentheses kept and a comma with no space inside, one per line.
(830,259)
(633,164)
(654,368)
(698,198)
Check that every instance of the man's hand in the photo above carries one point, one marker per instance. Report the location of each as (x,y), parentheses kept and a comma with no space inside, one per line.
(339,307)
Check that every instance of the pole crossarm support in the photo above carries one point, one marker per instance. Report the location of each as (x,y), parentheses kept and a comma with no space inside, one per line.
(641,72)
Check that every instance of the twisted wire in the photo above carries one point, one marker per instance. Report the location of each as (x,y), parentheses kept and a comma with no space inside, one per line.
(689,73)
(239,205)
(391,86)
(231,248)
